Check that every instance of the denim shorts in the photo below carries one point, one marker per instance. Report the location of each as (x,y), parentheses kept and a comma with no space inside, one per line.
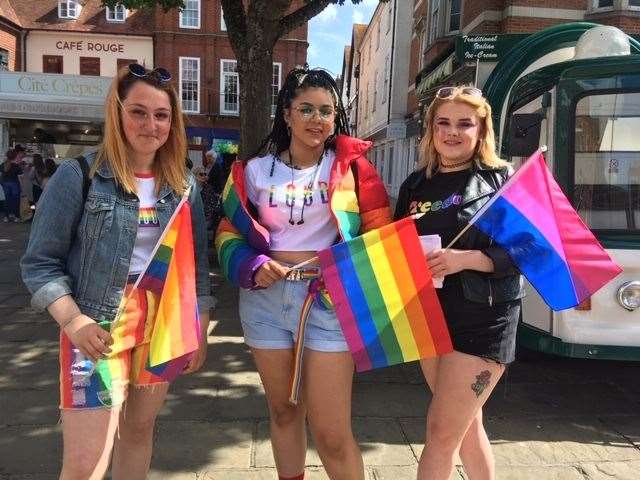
(270,319)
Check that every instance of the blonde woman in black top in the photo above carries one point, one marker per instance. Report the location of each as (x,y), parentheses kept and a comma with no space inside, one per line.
(458,172)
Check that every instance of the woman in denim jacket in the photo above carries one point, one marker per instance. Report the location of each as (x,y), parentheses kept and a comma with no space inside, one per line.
(84,255)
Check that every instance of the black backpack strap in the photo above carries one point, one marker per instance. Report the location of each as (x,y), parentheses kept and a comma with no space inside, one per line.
(86,179)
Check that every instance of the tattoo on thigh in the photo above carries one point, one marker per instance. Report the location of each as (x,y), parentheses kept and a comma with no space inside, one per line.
(481,383)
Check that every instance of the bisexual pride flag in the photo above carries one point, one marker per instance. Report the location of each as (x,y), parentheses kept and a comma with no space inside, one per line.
(534,222)
(384,297)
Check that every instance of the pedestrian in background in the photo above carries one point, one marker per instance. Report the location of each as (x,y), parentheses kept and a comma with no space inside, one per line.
(11,169)
(209,199)
(37,174)
(458,172)
(85,252)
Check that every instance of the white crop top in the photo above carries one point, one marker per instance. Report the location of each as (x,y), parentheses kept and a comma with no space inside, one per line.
(297,219)
(148,225)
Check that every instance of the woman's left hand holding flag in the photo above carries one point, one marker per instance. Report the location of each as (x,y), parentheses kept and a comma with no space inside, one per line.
(200,355)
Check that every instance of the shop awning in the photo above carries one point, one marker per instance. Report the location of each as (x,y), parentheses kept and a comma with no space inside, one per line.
(435,76)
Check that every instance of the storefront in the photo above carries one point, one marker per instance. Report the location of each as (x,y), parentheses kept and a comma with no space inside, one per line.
(55,115)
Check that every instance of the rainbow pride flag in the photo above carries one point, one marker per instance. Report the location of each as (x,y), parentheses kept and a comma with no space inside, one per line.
(170,275)
(384,297)
(534,222)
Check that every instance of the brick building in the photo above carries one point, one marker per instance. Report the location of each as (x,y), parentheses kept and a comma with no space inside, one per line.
(11,39)
(82,40)
(444,32)
(194,44)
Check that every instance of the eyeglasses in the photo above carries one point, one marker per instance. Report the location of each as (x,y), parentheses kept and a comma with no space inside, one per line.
(448,92)
(307,112)
(160,74)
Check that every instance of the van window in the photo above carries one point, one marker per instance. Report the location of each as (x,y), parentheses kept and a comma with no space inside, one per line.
(606,190)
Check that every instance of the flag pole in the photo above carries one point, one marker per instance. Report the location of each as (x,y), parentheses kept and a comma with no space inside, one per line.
(541,149)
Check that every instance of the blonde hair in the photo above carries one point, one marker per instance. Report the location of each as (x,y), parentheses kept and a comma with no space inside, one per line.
(169,166)
(486,147)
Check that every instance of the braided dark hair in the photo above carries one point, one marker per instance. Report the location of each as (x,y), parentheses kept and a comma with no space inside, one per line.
(297,80)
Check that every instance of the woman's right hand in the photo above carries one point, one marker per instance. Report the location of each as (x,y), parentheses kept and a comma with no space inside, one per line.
(269,273)
(88,337)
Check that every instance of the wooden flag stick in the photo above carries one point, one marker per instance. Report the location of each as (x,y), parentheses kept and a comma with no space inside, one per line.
(304,264)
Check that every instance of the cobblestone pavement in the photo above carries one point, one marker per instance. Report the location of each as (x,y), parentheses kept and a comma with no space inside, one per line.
(548,419)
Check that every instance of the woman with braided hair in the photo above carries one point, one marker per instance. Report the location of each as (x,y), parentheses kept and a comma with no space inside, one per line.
(308,187)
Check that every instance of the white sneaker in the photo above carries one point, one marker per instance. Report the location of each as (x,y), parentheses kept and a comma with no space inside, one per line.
(5,219)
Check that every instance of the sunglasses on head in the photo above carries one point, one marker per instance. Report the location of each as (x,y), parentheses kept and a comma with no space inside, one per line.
(160,74)
(448,92)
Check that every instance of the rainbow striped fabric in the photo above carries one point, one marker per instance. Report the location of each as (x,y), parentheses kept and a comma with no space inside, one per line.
(170,274)
(233,197)
(384,299)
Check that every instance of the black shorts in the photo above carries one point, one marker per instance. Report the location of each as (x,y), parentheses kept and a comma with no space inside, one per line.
(480,329)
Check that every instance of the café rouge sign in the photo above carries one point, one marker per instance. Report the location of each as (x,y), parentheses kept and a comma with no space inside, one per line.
(86,46)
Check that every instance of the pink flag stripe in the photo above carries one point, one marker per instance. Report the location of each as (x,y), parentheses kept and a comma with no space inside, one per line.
(525,195)
(343,310)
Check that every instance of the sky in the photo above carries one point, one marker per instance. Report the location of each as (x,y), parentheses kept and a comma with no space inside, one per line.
(330,32)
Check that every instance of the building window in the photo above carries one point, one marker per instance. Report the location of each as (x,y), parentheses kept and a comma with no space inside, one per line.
(190,84)
(275,86)
(634,3)
(378,35)
(223,24)
(390,163)
(433,23)
(375,90)
(229,88)
(90,66)
(4,59)
(386,79)
(602,3)
(52,63)
(68,9)
(117,13)
(366,101)
(423,48)
(454,15)
(190,14)
(124,62)
(389,16)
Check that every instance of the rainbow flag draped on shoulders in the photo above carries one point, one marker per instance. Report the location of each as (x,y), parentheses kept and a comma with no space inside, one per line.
(384,299)
(239,235)
(170,275)
(532,219)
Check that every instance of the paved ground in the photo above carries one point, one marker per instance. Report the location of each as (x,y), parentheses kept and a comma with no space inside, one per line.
(548,419)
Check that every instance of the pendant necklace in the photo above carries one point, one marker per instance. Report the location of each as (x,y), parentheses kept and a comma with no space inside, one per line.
(308,191)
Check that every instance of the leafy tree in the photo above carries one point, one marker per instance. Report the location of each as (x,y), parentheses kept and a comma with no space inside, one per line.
(254,27)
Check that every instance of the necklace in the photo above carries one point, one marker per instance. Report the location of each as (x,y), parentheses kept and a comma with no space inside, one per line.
(455,165)
(308,189)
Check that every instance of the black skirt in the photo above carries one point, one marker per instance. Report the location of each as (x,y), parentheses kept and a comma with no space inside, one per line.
(479,329)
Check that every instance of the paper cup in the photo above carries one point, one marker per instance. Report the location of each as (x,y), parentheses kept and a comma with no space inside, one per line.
(430,243)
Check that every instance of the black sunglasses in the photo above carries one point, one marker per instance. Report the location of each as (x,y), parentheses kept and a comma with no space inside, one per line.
(162,75)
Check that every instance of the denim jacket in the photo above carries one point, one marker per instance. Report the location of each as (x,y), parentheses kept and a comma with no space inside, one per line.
(85,250)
